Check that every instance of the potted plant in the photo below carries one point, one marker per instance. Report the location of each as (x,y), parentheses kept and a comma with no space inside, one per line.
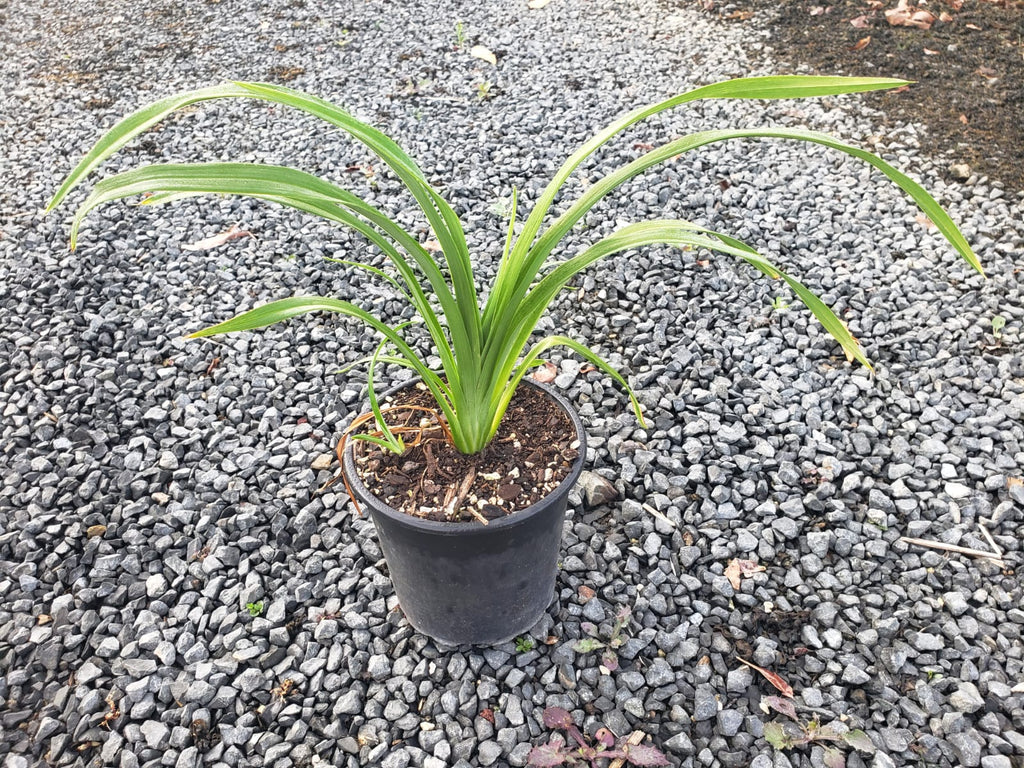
(469,516)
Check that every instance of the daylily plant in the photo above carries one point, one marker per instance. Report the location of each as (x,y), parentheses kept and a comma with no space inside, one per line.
(485,350)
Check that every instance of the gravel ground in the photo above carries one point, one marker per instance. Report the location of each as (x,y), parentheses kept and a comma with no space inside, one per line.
(152,488)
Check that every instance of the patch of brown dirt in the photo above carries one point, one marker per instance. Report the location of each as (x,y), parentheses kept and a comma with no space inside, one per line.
(968,68)
(532,453)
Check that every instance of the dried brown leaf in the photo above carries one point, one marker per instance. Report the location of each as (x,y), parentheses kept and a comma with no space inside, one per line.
(863,43)
(861,22)
(216,240)
(817,10)
(784,688)
(546,373)
(923,19)
(780,705)
(484,54)
(737,569)
(907,15)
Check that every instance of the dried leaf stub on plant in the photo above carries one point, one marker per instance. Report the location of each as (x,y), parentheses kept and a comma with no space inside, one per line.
(484,348)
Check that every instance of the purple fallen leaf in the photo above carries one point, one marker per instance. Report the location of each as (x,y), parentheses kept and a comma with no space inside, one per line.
(644,755)
(556,717)
(780,705)
(610,661)
(212,242)
(605,737)
(546,756)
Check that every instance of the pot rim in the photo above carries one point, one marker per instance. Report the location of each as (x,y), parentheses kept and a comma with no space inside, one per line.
(508,522)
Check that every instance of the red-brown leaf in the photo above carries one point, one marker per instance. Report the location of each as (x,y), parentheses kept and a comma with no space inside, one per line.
(546,755)
(556,717)
(784,688)
(862,43)
(780,705)
(645,755)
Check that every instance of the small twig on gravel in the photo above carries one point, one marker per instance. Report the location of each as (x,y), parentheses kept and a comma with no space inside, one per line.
(991,541)
(659,515)
(997,558)
(635,739)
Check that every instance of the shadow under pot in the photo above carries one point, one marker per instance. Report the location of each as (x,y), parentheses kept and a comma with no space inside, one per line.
(469,583)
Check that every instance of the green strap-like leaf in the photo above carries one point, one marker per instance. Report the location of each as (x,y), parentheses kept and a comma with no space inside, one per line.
(305,192)
(389,440)
(442,218)
(283,309)
(504,397)
(601,188)
(554,234)
(130,127)
(772,87)
(444,222)
(669,232)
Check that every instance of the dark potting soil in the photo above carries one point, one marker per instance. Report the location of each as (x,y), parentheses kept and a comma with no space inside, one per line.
(532,453)
(968,68)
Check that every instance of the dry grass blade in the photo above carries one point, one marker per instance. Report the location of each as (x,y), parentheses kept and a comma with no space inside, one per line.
(991,542)
(997,558)
(659,515)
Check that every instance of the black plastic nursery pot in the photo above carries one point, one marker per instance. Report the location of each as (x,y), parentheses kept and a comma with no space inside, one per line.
(468,583)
